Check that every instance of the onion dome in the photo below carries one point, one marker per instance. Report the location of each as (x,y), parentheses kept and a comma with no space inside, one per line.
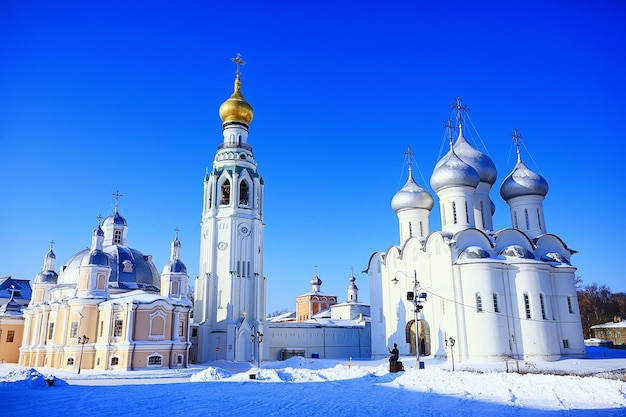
(522,181)
(175,265)
(451,171)
(96,255)
(316,280)
(412,196)
(47,275)
(236,108)
(115,218)
(473,157)
(352,285)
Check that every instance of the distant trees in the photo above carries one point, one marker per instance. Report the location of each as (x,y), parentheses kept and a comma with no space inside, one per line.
(598,305)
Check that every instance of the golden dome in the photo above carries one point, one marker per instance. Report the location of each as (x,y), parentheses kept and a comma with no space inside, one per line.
(236,108)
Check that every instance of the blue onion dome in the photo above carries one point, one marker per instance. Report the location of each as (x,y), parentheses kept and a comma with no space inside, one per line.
(412,196)
(522,181)
(46,277)
(473,157)
(115,218)
(451,171)
(175,266)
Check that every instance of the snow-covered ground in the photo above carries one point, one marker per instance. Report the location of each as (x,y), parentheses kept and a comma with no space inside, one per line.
(316,387)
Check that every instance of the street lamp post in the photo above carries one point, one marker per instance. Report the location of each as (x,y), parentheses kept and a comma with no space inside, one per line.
(258,338)
(452,342)
(417,307)
(82,340)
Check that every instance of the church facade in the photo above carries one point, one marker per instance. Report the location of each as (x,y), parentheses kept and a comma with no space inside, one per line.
(489,295)
(108,308)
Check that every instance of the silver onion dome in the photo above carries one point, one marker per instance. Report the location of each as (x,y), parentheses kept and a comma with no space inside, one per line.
(316,280)
(473,157)
(451,171)
(522,181)
(412,196)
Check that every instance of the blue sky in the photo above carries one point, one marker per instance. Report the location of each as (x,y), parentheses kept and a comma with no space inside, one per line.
(103,96)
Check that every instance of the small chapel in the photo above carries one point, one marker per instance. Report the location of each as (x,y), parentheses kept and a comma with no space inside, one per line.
(108,308)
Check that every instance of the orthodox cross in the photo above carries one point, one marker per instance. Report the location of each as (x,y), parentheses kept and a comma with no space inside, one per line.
(516,137)
(117,196)
(459,110)
(409,156)
(100,218)
(449,127)
(176,230)
(237,60)
(51,244)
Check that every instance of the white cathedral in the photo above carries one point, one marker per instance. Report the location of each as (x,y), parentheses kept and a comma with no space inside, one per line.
(493,294)
(489,295)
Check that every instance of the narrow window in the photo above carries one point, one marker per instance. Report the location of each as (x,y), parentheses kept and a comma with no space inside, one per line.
(194,332)
(50,330)
(244,191)
(538,218)
(117,330)
(527,305)
(117,237)
(495,303)
(618,334)
(527,219)
(466,213)
(225,200)
(565,344)
(101,329)
(210,203)
(181,328)
(515,219)
(543,307)
(454,212)
(479,303)
(10,336)
(609,333)
(421,229)
(74,329)
(115,361)
(180,359)
(482,214)
(410,230)
(569,305)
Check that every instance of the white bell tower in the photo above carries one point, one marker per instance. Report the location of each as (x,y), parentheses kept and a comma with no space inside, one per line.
(230,289)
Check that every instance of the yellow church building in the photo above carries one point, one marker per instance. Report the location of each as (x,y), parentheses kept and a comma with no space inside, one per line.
(108,308)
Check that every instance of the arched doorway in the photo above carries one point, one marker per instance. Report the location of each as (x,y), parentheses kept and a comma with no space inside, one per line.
(424,337)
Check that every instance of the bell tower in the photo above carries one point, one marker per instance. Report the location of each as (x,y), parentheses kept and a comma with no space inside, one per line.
(230,288)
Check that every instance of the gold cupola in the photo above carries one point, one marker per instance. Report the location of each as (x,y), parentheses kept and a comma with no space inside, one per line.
(236,108)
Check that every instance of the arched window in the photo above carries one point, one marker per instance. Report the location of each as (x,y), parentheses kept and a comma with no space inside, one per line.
(421,229)
(155,360)
(410,230)
(244,193)
(157,325)
(466,213)
(225,193)
(515,219)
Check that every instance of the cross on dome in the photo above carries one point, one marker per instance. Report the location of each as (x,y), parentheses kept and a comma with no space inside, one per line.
(459,110)
(117,196)
(516,137)
(237,60)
